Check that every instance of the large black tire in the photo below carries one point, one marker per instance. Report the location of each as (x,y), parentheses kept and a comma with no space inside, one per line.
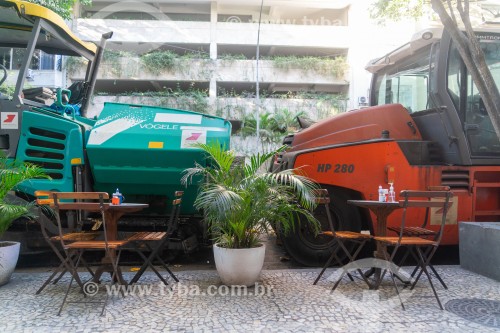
(310,250)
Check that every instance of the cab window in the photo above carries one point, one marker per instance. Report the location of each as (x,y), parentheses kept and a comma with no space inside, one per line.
(477,125)
(407,84)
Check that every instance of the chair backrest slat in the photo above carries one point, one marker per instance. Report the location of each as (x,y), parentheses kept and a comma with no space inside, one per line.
(422,203)
(321,196)
(424,194)
(82,195)
(87,206)
(438,188)
(44,198)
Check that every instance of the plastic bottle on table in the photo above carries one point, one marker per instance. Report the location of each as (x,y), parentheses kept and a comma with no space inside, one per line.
(381,194)
(117,198)
(392,194)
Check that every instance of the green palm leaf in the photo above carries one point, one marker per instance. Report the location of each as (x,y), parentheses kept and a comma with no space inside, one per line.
(12,174)
(240,201)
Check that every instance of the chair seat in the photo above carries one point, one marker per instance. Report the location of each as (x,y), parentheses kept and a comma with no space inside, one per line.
(98,245)
(346,234)
(405,240)
(413,231)
(147,236)
(76,236)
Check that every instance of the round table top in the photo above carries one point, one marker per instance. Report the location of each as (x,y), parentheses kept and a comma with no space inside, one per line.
(130,204)
(373,203)
(126,206)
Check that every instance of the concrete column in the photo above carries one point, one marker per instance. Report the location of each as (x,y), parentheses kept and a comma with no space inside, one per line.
(213,50)
(212,90)
(213,30)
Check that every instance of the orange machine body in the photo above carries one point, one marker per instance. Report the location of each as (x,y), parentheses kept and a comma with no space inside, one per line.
(349,151)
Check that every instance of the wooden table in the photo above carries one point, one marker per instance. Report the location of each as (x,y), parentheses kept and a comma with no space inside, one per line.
(381,210)
(112,214)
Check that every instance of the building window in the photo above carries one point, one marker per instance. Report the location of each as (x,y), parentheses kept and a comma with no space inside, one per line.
(5,57)
(47,61)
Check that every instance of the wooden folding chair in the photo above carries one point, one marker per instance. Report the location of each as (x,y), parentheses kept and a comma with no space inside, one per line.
(421,231)
(341,237)
(45,201)
(423,249)
(94,202)
(154,242)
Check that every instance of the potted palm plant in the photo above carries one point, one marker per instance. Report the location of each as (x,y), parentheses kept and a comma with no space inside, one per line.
(12,174)
(240,201)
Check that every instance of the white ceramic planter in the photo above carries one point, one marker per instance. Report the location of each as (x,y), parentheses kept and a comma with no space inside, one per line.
(239,266)
(9,253)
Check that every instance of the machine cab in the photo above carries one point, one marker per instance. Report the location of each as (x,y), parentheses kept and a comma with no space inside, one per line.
(429,78)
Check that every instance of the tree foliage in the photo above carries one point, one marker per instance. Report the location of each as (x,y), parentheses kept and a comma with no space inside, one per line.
(62,7)
(396,10)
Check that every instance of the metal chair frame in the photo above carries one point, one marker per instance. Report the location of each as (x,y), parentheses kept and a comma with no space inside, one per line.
(423,232)
(43,199)
(66,201)
(143,239)
(322,197)
(422,249)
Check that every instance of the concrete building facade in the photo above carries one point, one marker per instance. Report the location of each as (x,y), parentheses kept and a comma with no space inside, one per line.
(310,53)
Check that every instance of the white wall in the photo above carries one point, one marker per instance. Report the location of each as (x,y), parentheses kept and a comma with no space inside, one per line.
(369,41)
